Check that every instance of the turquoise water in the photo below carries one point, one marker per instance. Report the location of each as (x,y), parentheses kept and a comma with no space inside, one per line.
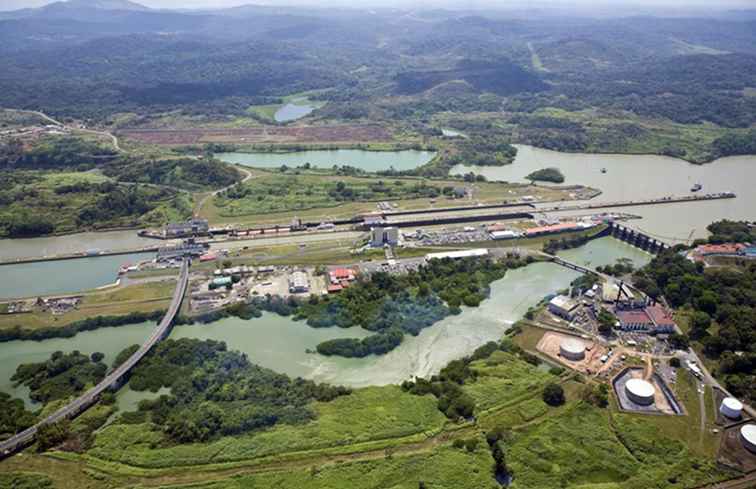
(371,161)
(64,276)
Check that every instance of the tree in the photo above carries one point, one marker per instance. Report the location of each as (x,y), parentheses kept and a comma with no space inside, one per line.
(52,434)
(97,356)
(553,394)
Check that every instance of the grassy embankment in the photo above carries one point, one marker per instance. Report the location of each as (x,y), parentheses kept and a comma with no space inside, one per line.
(147,297)
(274,198)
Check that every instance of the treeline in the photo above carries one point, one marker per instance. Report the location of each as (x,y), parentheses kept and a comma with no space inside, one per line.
(70,330)
(216,392)
(55,153)
(63,376)
(184,173)
(552,246)
(395,305)
(732,144)
(722,302)
(731,232)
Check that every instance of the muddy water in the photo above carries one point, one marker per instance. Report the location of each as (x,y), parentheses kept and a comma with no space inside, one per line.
(636,177)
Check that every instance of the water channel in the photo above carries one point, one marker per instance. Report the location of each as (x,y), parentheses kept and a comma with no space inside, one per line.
(63,276)
(371,161)
(636,177)
(11,249)
(281,344)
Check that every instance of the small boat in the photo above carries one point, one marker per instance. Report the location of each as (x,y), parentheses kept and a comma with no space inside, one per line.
(603,170)
(696,187)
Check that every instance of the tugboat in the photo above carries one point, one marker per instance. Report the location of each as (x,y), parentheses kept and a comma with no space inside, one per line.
(696,187)
(603,170)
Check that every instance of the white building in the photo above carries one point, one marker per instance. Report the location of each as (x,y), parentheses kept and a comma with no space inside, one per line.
(563,306)
(299,283)
(456,255)
(380,236)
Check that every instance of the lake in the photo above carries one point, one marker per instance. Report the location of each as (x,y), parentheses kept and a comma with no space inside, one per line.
(370,161)
(634,177)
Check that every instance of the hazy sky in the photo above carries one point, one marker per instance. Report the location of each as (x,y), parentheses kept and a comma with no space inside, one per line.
(474,4)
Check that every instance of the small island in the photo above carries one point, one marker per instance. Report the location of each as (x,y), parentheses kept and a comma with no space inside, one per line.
(546,175)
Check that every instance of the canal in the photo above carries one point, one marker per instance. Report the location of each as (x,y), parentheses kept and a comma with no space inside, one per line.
(637,177)
(281,344)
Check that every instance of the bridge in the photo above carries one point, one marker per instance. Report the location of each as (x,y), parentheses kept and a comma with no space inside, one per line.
(112,381)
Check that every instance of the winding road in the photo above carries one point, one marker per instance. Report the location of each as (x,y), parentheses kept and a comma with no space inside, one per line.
(112,381)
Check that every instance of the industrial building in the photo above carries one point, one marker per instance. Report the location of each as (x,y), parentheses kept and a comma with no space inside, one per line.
(640,391)
(192,227)
(299,282)
(187,248)
(748,436)
(380,236)
(653,319)
(563,306)
(505,234)
(456,255)
(572,349)
(731,408)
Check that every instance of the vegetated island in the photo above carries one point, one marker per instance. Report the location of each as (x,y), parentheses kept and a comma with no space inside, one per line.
(553,175)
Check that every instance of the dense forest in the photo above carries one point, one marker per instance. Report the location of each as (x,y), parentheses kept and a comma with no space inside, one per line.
(216,392)
(63,376)
(722,306)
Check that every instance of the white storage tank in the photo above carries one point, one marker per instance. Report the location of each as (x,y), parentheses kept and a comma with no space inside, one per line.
(572,349)
(640,392)
(731,408)
(748,436)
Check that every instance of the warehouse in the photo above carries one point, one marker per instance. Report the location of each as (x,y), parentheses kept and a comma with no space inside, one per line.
(731,408)
(456,255)
(640,392)
(572,349)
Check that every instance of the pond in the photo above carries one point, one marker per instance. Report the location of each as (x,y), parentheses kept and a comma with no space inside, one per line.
(371,161)
(296,109)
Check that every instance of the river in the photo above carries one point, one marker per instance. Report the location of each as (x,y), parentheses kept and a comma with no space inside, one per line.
(370,161)
(634,177)
(63,276)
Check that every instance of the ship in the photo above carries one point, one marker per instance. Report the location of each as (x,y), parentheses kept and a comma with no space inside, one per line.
(603,170)
(696,187)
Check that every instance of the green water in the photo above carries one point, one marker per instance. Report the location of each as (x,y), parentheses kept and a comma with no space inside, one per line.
(370,161)
(279,343)
(64,276)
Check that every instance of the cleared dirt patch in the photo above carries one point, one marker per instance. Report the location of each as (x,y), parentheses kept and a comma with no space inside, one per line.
(252,135)
(550,342)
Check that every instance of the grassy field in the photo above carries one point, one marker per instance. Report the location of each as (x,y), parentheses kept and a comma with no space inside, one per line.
(381,437)
(147,297)
(372,418)
(272,197)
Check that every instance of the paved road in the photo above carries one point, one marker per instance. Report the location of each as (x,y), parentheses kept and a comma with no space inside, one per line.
(112,380)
